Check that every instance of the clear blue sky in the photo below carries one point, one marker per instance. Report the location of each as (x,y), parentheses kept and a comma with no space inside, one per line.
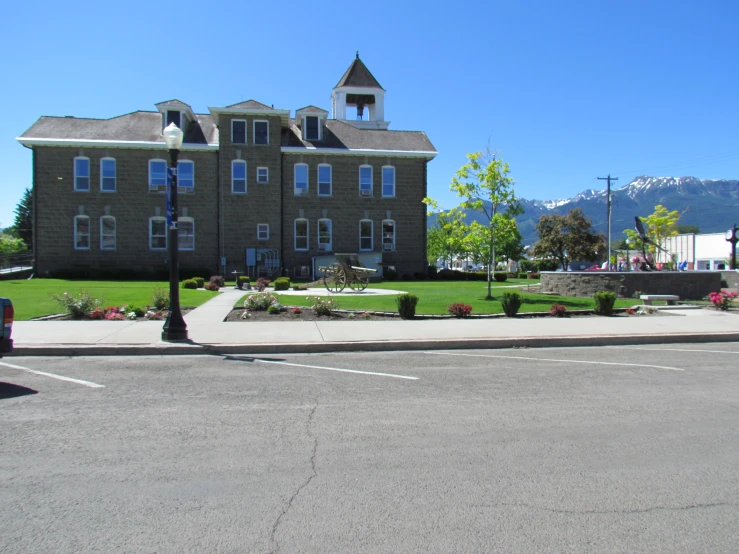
(565,91)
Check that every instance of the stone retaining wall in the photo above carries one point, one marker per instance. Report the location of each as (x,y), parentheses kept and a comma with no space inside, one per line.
(688,285)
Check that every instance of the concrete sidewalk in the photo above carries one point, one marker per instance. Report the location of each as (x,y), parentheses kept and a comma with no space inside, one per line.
(210,334)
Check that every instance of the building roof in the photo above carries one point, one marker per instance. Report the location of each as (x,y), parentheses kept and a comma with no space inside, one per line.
(342,136)
(250,105)
(132,127)
(358,76)
(311,108)
(173,103)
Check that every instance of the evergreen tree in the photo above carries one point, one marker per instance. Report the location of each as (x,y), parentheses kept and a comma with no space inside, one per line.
(23,225)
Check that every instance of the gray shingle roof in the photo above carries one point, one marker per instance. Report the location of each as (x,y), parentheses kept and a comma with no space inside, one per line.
(311,108)
(358,76)
(174,103)
(136,126)
(342,135)
(251,105)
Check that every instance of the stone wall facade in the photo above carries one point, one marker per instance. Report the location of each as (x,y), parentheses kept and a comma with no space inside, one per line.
(688,285)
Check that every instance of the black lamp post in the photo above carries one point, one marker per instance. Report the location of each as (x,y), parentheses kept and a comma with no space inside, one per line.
(175,328)
(732,235)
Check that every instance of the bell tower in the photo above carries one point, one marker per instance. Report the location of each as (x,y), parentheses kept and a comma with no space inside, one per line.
(358,88)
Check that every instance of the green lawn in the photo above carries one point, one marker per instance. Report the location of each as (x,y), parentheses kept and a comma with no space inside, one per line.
(32,298)
(435,296)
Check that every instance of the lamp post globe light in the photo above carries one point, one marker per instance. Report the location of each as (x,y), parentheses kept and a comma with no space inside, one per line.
(175,328)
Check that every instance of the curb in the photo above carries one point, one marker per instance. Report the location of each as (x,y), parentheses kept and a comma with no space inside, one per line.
(162,349)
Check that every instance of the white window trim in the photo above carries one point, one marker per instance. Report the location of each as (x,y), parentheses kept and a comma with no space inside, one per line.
(115,233)
(330,242)
(295,179)
(266,182)
(181,220)
(74,171)
(372,180)
(115,176)
(395,232)
(246,168)
(258,231)
(246,138)
(166,167)
(304,126)
(382,184)
(330,181)
(372,236)
(295,235)
(166,233)
(254,131)
(76,235)
(180,186)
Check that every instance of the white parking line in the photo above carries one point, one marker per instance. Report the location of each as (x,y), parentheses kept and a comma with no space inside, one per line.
(676,349)
(337,369)
(555,360)
(54,376)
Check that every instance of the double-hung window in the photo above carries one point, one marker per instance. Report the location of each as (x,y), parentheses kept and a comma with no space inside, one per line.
(262,175)
(107,232)
(157,175)
(301,179)
(81,232)
(324,234)
(186,175)
(365,180)
(238,131)
(107,175)
(262,231)
(261,132)
(174,116)
(324,180)
(311,128)
(157,233)
(388,181)
(238,177)
(82,174)
(388,235)
(301,234)
(185,233)
(365,234)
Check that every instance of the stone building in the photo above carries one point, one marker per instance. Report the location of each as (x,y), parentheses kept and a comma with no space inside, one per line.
(259,191)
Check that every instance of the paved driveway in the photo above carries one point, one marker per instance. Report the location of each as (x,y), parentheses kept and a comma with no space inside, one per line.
(587,449)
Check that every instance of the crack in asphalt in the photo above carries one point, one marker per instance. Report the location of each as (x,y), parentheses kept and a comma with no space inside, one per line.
(606,512)
(309,432)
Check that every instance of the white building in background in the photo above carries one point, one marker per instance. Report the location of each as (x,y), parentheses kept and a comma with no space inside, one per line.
(710,251)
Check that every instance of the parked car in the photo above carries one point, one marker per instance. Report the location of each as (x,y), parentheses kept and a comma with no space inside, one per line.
(6,330)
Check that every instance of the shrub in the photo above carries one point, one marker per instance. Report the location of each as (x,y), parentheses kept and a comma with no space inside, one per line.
(511,303)
(259,301)
(722,300)
(526,265)
(534,276)
(459,309)
(418,276)
(547,265)
(447,274)
(241,280)
(160,298)
(390,274)
(212,286)
(406,305)
(189,284)
(500,277)
(261,284)
(323,306)
(558,310)
(297,310)
(200,281)
(217,279)
(274,309)
(137,310)
(78,306)
(282,283)
(604,301)
(523,276)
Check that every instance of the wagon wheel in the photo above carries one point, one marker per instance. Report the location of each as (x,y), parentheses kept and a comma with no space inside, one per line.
(360,281)
(334,278)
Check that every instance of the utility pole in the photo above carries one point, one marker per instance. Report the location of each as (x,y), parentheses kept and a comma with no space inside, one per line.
(609,179)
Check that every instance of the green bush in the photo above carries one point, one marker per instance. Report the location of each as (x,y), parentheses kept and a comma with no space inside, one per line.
(323,306)
(217,280)
(78,306)
(160,298)
(189,284)
(139,311)
(604,300)
(200,281)
(282,283)
(390,274)
(500,276)
(511,303)
(406,305)
(274,309)
(243,279)
(523,276)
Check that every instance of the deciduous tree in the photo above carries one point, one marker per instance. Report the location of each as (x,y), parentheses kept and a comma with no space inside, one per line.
(568,237)
(658,226)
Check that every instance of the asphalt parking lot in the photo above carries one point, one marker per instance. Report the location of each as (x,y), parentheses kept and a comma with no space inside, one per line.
(561,449)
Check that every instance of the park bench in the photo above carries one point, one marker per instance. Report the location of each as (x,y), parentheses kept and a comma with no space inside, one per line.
(671,299)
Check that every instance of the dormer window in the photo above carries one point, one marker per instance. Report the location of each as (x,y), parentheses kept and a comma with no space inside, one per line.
(311,131)
(174,116)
